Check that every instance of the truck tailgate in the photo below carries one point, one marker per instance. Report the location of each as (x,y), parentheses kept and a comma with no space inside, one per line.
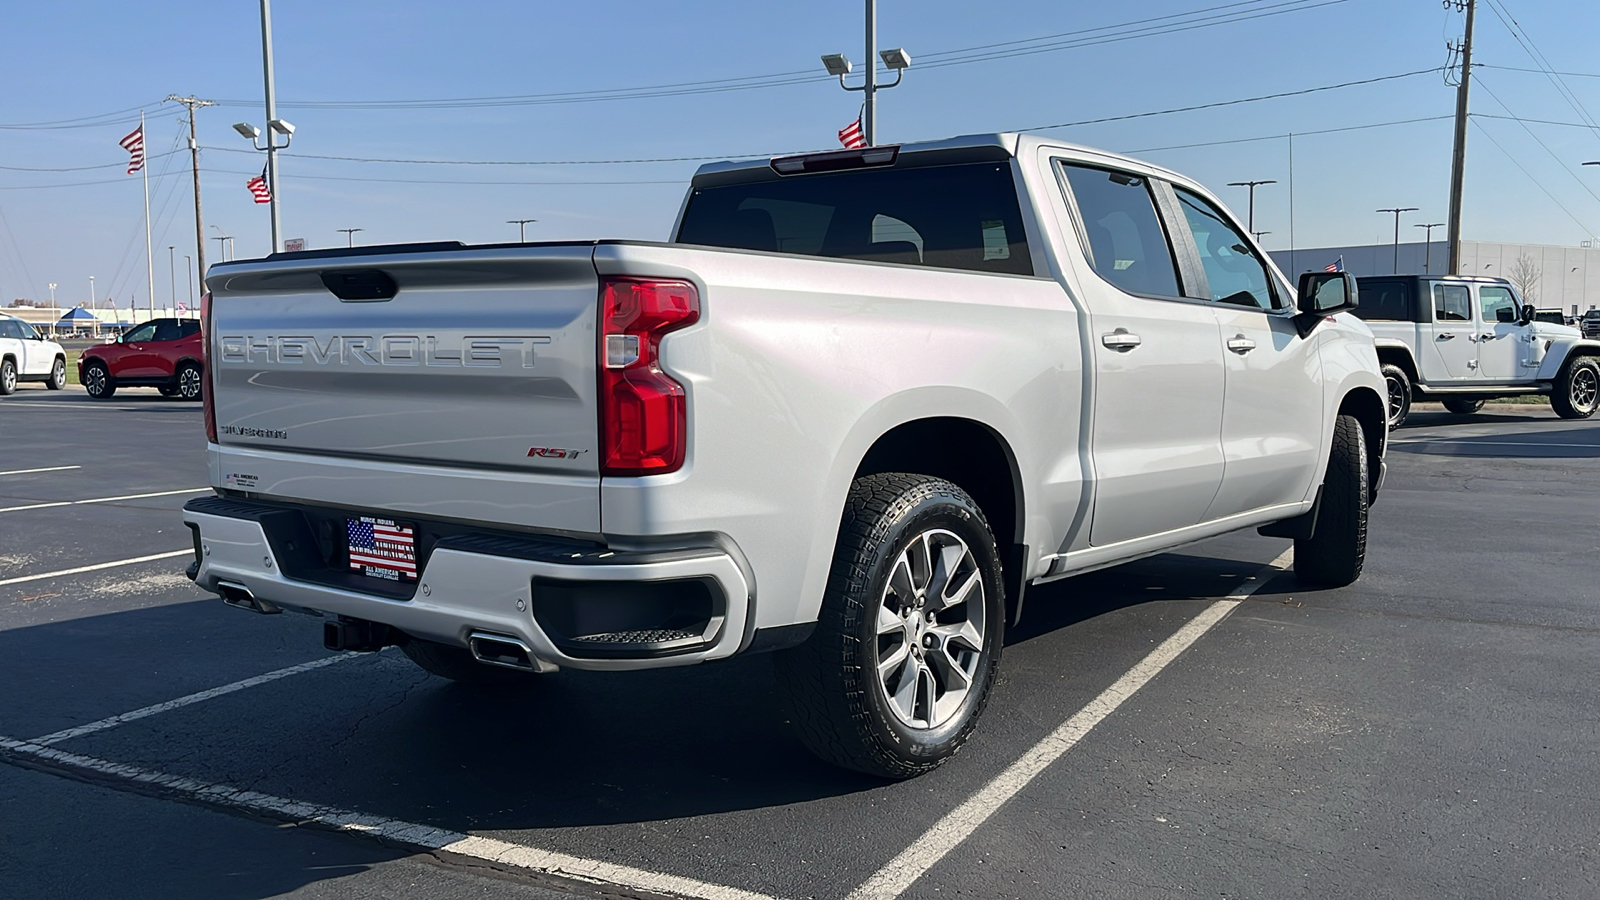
(481,360)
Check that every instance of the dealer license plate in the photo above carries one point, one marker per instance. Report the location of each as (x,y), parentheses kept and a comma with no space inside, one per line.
(382,548)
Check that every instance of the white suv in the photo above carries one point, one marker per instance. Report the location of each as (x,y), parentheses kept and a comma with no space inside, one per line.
(26,356)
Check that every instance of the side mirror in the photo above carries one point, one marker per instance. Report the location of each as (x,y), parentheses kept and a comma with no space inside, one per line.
(1326,293)
(1528,313)
(1507,315)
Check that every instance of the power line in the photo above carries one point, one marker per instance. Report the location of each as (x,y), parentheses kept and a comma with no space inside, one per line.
(114,165)
(1537,71)
(1275,137)
(1485,132)
(1559,161)
(1538,57)
(121,116)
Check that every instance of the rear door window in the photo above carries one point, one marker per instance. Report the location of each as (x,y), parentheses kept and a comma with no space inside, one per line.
(1452,303)
(1126,244)
(962,216)
(1385,301)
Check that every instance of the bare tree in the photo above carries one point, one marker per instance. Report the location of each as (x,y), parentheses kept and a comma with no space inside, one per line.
(1525,274)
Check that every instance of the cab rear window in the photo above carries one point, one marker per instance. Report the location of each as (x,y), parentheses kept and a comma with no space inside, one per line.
(963,216)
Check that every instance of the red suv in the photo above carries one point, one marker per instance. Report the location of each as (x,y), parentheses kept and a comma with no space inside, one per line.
(166,354)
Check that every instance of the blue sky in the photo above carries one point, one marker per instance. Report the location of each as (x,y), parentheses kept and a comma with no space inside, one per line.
(66,60)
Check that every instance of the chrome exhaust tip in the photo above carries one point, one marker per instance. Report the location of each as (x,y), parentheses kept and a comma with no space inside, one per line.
(502,650)
(237,595)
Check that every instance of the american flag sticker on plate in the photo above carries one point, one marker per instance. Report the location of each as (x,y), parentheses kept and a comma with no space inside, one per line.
(382,549)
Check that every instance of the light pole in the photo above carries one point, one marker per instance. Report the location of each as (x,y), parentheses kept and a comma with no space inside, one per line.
(53,319)
(1397,210)
(1427,246)
(896,59)
(349,235)
(522,235)
(225,242)
(188,265)
(172,279)
(1260,234)
(276,127)
(1252,185)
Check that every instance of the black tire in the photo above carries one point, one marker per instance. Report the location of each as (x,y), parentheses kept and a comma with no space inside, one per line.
(1336,550)
(457,664)
(1399,394)
(836,697)
(8,376)
(58,375)
(191,382)
(1577,389)
(1463,407)
(97,380)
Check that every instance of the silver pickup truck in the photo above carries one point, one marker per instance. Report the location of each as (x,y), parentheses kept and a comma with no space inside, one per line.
(858,403)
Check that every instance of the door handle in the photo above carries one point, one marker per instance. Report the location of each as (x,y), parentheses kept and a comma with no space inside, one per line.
(1447,336)
(1120,340)
(1487,336)
(1241,344)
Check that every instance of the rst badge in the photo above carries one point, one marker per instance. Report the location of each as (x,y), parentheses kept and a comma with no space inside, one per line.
(553,453)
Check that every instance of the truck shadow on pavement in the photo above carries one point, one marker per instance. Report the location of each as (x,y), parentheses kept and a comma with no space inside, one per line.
(1581,441)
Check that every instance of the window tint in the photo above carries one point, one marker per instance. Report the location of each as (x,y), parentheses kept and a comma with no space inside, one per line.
(9,329)
(142,333)
(1497,304)
(188,327)
(1452,303)
(1127,245)
(1385,301)
(167,330)
(1233,271)
(956,217)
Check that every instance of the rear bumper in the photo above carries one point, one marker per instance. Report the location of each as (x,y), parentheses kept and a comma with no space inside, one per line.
(472,586)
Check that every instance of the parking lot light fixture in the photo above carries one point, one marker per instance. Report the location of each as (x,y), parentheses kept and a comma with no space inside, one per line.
(897,59)
(1397,210)
(247,131)
(1250,215)
(837,64)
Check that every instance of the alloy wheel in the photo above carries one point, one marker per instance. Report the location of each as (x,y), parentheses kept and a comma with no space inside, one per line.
(189,384)
(1584,389)
(931,623)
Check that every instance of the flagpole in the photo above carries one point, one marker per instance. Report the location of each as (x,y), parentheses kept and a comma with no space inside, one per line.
(149,255)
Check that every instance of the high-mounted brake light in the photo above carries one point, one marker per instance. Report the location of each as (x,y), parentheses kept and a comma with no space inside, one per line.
(644,422)
(836,160)
(207,395)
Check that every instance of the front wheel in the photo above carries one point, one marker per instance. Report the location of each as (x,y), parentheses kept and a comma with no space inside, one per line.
(1399,385)
(907,643)
(1577,389)
(190,383)
(58,375)
(1463,407)
(1337,548)
(8,376)
(97,381)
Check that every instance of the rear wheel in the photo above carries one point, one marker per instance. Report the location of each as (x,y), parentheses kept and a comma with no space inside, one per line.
(908,639)
(1463,407)
(97,380)
(58,375)
(1337,548)
(457,664)
(1399,394)
(8,376)
(1577,389)
(190,383)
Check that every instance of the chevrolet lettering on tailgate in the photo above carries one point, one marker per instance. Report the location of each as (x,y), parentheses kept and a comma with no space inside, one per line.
(486,351)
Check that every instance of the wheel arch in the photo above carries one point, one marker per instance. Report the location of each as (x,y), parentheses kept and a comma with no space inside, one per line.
(1563,350)
(1399,355)
(1372,412)
(963,451)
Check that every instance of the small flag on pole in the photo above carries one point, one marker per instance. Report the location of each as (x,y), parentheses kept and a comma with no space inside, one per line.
(1335,266)
(259,188)
(851,137)
(134,144)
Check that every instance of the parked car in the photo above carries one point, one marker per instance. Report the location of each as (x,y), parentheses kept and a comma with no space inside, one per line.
(25,355)
(860,401)
(1553,316)
(166,354)
(1590,323)
(1466,339)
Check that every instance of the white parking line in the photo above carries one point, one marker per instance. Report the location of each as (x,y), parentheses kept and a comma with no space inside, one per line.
(45,469)
(423,837)
(7,509)
(95,567)
(67,734)
(1489,443)
(901,872)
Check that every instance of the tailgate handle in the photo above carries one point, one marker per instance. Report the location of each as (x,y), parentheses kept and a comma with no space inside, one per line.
(360,284)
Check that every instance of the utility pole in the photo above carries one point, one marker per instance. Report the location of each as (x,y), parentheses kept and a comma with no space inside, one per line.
(1458,156)
(1397,210)
(522,234)
(349,235)
(194,163)
(1427,246)
(1251,216)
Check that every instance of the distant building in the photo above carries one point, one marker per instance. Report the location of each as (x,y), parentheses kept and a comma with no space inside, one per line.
(1569,277)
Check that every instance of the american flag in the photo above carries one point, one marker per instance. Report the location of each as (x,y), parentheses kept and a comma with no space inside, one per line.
(259,188)
(851,136)
(381,545)
(134,144)
(1335,266)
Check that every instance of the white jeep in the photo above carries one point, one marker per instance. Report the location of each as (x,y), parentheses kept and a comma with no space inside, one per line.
(1463,340)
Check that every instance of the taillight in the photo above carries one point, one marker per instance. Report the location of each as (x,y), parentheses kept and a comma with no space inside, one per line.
(644,422)
(207,399)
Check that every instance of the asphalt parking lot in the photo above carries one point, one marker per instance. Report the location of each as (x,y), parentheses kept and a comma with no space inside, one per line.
(1428,732)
